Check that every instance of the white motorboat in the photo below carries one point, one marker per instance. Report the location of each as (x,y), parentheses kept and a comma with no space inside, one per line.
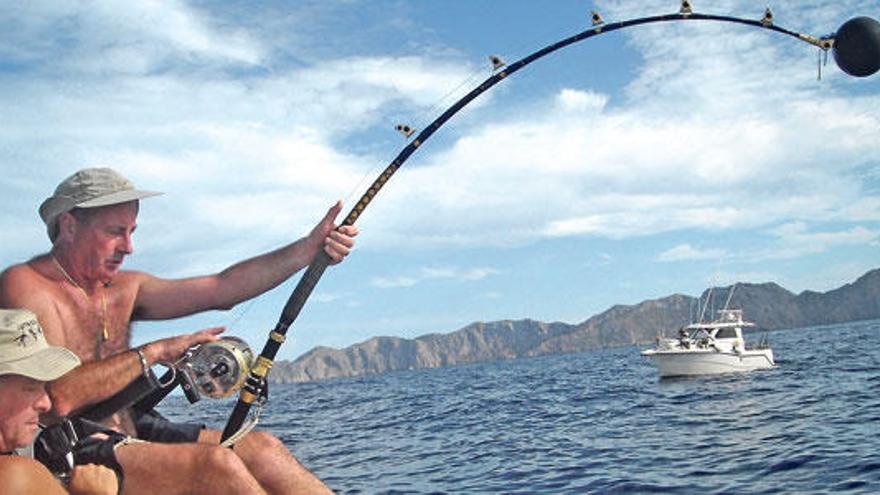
(708,348)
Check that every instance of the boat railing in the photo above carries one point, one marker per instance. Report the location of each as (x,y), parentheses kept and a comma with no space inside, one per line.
(764,343)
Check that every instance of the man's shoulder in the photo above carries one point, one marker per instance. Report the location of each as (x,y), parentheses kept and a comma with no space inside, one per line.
(19,269)
(23,276)
(130,281)
(34,273)
(19,276)
(24,475)
(130,276)
(12,464)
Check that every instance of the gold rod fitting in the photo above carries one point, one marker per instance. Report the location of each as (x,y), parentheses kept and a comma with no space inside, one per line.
(261,367)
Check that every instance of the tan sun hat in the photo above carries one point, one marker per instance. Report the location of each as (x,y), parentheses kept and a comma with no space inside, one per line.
(24,351)
(88,188)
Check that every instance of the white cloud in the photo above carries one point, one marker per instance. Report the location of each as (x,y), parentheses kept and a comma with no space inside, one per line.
(788,241)
(577,100)
(394,283)
(324,297)
(794,240)
(685,252)
(434,273)
(111,37)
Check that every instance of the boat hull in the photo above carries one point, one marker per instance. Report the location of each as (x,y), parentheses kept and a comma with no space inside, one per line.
(708,362)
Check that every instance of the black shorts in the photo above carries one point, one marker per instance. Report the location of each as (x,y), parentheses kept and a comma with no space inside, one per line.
(153,427)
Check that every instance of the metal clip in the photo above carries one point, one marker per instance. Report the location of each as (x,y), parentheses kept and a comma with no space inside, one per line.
(823,52)
(686,8)
(404,129)
(767,20)
(597,18)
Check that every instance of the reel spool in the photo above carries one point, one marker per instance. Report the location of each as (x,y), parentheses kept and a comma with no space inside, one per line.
(216,369)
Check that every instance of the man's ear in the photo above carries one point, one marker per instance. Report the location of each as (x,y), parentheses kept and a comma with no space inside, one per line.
(67,225)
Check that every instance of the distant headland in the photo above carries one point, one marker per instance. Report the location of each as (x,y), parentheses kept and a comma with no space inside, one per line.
(770,306)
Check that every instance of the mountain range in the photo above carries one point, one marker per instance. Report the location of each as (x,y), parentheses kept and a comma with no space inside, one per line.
(768,305)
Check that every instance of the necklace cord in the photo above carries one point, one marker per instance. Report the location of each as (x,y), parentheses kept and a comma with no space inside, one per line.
(105,334)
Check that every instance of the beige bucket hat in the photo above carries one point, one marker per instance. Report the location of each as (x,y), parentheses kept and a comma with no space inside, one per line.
(24,351)
(88,188)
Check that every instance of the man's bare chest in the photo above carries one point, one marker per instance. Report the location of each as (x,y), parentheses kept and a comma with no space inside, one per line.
(94,331)
(89,344)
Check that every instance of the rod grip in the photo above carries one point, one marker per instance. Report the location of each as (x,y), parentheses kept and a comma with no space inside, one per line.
(303,289)
(236,419)
(291,310)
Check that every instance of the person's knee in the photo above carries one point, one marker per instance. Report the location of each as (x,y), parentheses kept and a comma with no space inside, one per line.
(265,442)
(222,471)
(271,453)
(220,461)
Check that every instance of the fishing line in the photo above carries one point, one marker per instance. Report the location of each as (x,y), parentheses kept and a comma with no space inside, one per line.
(422,118)
(486,67)
(356,189)
(243,312)
(425,117)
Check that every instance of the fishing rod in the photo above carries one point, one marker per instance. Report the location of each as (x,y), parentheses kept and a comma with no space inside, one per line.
(856,49)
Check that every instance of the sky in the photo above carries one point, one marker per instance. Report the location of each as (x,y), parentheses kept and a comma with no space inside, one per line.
(649,161)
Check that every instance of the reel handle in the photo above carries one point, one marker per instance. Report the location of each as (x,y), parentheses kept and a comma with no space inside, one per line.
(189,387)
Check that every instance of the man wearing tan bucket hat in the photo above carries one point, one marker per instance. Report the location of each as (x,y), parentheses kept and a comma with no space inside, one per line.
(27,362)
(86,303)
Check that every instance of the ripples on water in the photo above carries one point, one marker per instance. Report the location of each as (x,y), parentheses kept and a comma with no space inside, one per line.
(593,422)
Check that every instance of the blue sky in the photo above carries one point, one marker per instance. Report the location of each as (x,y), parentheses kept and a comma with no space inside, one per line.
(654,160)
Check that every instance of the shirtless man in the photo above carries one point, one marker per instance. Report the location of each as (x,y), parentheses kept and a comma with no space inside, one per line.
(86,303)
(27,362)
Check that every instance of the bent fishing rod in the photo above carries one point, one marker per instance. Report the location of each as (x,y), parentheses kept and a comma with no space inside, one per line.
(856,49)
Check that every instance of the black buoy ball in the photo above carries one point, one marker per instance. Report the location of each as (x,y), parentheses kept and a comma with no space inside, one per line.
(857,46)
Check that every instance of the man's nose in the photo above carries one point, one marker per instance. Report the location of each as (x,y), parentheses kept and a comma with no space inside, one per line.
(43,403)
(127,244)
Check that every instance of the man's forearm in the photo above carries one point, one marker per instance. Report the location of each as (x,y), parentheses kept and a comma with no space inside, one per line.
(94,382)
(256,275)
(160,299)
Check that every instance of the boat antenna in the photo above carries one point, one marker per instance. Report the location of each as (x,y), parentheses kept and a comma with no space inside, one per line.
(706,305)
(691,311)
(729,296)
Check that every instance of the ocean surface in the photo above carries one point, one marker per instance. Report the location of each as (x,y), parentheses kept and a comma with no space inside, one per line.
(597,422)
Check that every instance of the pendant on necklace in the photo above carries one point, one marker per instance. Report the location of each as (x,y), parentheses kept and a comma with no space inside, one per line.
(104,323)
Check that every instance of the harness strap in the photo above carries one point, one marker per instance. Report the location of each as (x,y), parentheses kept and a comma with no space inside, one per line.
(145,386)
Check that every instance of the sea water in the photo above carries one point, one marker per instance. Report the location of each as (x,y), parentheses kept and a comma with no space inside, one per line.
(596,422)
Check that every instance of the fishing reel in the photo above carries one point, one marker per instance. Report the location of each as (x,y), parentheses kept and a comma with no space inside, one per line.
(215,369)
